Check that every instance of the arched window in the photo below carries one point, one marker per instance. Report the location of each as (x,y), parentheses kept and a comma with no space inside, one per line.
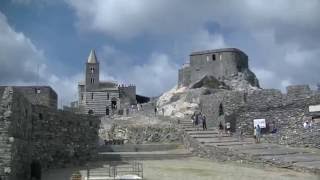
(221,110)
(92,70)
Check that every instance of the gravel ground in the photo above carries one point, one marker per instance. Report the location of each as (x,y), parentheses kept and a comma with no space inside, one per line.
(199,169)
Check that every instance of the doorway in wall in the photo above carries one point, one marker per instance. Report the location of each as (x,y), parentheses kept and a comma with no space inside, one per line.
(114,103)
(107,111)
(35,170)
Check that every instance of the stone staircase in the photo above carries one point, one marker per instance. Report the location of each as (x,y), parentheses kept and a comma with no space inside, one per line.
(211,144)
(128,152)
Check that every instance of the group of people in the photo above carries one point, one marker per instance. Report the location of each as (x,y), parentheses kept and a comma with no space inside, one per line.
(199,119)
(156,111)
(227,128)
(308,124)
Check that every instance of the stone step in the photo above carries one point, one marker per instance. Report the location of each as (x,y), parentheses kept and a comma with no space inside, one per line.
(216,140)
(139,147)
(269,152)
(155,155)
(197,129)
(208,136)
(228,144)
(202,132)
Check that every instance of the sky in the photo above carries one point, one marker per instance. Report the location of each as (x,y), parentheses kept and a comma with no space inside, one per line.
(143,42)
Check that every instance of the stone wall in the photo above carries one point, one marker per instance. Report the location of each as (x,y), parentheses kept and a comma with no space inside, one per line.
(220,105)
(264,99)
(127,95)
(40,95)
(62,137)
(223,64)
(15,124)
(32,133)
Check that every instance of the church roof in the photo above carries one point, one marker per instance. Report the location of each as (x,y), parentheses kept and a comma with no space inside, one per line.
(92,57)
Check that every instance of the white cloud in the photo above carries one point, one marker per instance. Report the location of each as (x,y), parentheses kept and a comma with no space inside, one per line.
(156,76)
(152,77)
(22,63)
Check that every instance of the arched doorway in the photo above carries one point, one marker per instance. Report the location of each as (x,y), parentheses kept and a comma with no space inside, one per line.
(90,111)
(114,103)
(35,170)
(107,111)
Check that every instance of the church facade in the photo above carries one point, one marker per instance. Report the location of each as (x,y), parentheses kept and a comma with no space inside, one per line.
(102,97)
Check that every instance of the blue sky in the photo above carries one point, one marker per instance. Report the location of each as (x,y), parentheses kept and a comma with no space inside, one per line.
(144,42)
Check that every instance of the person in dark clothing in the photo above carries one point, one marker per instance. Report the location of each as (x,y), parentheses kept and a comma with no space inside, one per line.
(197,119)
(204,122)
(220,128)
(155,111)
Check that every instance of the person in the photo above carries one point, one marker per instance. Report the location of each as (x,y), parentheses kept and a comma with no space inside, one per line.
(155,111)
(255,134)
(258,133)
(196,119)
(204,122)
(240,133)
(306,124)
(220,128)
(200,119)
(228,128)
(193,118)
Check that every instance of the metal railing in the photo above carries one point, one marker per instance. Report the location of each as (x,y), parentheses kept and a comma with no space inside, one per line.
(116,169)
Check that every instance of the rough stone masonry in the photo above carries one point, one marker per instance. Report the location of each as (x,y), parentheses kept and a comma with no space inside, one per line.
(35,137)
(220,84)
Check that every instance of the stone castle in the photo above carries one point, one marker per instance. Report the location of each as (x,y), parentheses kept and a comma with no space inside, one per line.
(221,64)
(220,84)
(102,97)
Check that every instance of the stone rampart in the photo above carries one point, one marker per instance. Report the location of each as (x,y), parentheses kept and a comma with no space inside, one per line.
(33,134)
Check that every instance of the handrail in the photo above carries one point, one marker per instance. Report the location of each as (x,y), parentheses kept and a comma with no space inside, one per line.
(114,170)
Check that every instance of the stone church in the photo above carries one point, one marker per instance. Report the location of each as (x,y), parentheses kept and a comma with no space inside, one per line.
(102,97)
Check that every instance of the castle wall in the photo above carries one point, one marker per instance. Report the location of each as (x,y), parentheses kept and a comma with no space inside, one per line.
(62,137)
(229,101)
(15,126)
(32,133)
(180,77)
(264,99)
(225,63)
(39,95)
(127,95)
(184,75)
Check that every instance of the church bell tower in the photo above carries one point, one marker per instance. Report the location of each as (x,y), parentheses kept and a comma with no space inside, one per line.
(92,72)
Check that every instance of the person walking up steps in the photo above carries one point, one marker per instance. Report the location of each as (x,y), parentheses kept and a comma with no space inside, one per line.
(193,119)
(220,129)
(204,122)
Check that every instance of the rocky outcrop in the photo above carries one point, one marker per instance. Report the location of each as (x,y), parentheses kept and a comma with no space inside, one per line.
(209,82)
